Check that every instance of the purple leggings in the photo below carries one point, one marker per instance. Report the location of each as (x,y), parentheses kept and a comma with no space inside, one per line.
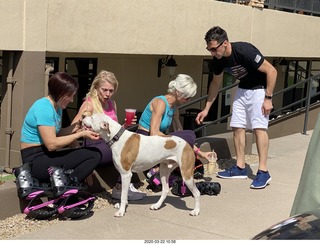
(101,145)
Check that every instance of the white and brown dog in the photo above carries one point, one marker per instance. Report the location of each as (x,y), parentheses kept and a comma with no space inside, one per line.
(133,152)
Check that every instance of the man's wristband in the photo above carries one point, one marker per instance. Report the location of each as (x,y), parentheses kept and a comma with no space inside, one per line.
(268,97)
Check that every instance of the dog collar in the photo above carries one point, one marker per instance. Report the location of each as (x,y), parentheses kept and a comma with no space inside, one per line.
(116,137)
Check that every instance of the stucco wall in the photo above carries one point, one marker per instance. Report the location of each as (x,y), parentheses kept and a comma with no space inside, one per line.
(151,27)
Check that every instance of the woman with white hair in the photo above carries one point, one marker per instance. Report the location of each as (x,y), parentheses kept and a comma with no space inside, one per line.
(162,112)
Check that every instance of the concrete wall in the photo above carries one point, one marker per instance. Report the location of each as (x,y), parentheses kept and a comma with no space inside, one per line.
(150,27)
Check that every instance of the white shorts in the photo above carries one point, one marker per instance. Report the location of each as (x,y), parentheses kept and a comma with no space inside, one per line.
(247,110)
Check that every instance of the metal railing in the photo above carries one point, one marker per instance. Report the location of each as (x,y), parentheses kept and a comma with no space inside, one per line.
(203,127)
(310,7)
(306,99)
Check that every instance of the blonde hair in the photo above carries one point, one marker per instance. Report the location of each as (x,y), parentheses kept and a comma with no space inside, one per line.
(183,84)
(103,76)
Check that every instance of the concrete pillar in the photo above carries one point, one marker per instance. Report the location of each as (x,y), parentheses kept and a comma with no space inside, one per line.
(28,76)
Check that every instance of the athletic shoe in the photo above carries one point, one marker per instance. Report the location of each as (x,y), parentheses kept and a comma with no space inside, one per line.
(234,172)
(133,193)
(261,181)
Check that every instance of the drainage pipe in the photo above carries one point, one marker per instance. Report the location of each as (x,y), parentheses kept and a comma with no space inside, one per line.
(9,132)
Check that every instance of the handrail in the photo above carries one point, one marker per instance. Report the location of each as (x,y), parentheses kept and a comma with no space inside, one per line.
(311,7)
(204,97)
(306,99)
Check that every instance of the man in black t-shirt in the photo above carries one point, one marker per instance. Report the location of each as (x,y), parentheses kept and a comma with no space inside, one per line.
(253,99)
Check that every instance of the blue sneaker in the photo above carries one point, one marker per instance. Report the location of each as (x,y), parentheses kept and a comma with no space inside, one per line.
(234,172)
(261,181)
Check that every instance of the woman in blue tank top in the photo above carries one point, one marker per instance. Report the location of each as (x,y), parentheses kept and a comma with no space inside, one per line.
(43,141)
(161,112)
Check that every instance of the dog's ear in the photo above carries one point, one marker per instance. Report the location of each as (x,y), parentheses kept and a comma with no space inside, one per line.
(105,126)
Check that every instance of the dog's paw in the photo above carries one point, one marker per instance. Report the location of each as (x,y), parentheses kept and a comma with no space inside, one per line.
(155,207)
(194,212)
(119,213)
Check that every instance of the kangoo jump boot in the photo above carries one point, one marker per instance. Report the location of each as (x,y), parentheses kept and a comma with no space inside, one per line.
(33,192)
(75,202)
(25,183)
(61,181)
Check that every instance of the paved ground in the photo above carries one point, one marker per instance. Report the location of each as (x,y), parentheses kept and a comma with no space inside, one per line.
(238,213)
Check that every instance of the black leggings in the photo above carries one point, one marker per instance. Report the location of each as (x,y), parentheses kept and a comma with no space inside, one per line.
(82,160)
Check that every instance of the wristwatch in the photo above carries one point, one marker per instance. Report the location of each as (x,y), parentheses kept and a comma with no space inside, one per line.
(268,97)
